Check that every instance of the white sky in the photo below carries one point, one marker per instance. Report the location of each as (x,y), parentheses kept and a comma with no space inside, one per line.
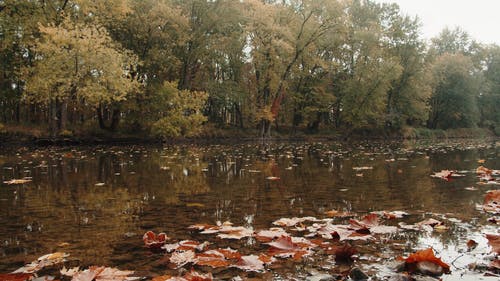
(479,18)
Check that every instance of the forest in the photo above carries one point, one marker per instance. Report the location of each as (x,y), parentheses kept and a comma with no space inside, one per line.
(187,68)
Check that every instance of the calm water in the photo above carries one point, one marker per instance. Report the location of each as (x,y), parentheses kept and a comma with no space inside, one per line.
(95,203)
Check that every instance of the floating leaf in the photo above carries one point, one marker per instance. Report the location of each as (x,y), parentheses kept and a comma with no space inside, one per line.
(101,273)
(181,258)
(43,261)
(284,247)
(17,181)
(426,256)
(250,263)
(444,174)
(492,202)
(293,221)
(269,235)
(344,253)
(153,241)
(69,272)
(16,277)
(494,241)
(471,244)
(212,258)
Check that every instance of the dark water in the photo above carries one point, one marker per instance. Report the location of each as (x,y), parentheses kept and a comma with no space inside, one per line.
(95,203)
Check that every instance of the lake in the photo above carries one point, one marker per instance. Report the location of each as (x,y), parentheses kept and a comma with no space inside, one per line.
(96,203)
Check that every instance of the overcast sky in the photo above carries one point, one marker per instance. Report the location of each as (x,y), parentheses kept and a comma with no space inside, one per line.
(480,18)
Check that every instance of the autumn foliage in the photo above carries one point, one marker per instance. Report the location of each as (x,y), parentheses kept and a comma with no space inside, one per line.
(421,256)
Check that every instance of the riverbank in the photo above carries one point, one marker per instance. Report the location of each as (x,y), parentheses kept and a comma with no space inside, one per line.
(25,135)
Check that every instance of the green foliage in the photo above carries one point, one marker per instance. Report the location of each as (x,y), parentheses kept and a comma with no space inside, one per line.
(80,61)
(181,110)
(453,102)
(314,65)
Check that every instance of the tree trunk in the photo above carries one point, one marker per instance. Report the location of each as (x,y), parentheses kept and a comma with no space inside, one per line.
(63,120)
(52,118)
(115,119)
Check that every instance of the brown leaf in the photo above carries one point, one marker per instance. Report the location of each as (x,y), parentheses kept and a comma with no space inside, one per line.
(153,241)
(494,241)
(16,277)
(212,258)
(471,244)
(492,202)
(161,278)
(284,247)
(344,253)
(196,276)
(250,263)
(426,255)
(17,181)
(444,174)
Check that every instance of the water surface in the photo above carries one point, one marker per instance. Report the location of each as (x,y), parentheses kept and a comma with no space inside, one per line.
(95,203)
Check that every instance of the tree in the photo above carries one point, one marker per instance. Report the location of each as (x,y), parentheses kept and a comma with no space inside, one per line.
(279,36)
(453,102)
(77,62)
(407,98)
(489,97)
(366,70)
(181,112)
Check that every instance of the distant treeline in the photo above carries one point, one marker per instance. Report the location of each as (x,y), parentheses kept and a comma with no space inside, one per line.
(171,68)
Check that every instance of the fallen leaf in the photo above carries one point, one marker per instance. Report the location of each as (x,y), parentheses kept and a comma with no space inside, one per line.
(101,273)
(430,222)
(494,241)
(269,235)
(69,272)
(426,255)
(16,277)
(161,278)
(471,245)
(293,221)
(335,213)
(212,258)
(344,253)
(444,174)
(17,181)
(362,168)
(284,247)
(492,202)
(181,258)
(196,276)
(153,241)
(495,264)
(250,263)
(43,261)
(195,205)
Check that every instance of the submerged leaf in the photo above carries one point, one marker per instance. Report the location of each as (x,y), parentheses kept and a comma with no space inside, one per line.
(343,254)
